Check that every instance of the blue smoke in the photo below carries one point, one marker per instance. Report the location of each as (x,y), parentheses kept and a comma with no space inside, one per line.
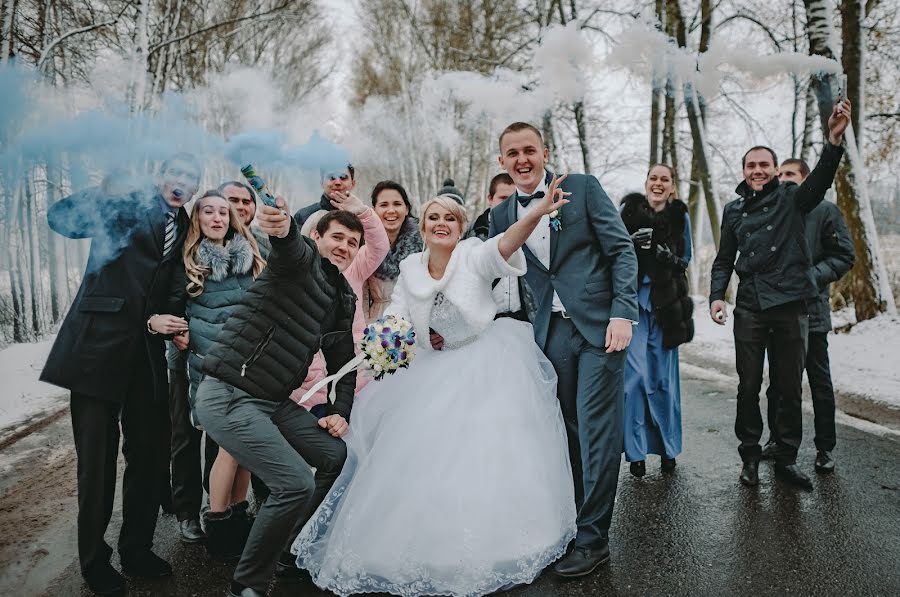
(122,146)
(270,150)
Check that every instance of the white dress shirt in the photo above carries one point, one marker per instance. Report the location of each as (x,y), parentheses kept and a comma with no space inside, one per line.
(539,241)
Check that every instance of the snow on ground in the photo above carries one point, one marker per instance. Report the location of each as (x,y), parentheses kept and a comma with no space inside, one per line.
(24,399)
(864,362)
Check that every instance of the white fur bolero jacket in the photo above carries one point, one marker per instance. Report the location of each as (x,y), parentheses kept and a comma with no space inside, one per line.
(466,283)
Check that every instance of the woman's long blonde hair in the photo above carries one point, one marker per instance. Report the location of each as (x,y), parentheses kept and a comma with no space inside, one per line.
(196,273)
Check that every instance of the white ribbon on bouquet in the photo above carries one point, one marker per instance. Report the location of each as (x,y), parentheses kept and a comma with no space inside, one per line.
(351,365)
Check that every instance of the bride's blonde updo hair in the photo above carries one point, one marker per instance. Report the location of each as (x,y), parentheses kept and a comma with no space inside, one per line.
(451,205)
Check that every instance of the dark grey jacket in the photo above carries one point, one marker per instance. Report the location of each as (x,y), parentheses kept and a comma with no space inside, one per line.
(303,213)
(593,267)
(765,233)
(300,304)
(832,256)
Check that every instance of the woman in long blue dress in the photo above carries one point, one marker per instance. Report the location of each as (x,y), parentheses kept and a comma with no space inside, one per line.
(660,227)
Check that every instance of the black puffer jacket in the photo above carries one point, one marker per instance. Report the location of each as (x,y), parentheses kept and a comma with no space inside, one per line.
(672,304)
(763,240)
(299,304)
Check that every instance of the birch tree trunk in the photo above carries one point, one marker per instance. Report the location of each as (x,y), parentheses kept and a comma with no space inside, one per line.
(868,279)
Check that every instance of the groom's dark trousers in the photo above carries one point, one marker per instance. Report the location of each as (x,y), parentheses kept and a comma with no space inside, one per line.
(593,420)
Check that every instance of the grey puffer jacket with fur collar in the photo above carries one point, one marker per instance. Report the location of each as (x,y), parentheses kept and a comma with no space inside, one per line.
(230,274)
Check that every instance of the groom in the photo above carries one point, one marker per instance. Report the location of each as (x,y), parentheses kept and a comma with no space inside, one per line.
(582,271)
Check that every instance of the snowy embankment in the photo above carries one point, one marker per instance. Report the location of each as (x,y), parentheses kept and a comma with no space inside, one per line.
(24,400)
(865,362)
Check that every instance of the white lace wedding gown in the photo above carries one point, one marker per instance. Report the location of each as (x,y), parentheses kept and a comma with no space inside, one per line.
(457,480)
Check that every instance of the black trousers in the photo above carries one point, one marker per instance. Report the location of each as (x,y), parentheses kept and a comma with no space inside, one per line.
(95,426)
(189,476)
(818,372)
(785,327)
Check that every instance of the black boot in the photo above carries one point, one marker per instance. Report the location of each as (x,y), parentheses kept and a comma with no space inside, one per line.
(824,462)
(770,450)
(750,473)
(792,474)
(221,542)
(243,522)
(104,580)
(668,464)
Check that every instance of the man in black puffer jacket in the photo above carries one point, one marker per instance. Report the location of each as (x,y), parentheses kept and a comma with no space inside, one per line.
(763,231)
(300,304)
(832,256)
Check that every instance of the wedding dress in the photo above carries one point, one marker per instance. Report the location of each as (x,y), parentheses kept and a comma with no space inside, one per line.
(457,480)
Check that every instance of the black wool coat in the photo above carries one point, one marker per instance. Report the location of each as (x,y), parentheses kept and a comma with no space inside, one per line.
(763,240)
(104,337)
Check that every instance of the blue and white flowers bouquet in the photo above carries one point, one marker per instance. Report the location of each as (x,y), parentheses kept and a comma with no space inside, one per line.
(387,344)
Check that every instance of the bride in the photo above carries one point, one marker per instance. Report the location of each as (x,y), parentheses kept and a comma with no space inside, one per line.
(457,479)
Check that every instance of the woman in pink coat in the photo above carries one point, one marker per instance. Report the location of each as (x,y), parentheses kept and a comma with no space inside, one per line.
(370,256)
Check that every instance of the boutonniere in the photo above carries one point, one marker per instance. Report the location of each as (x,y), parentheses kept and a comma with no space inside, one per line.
(556,220)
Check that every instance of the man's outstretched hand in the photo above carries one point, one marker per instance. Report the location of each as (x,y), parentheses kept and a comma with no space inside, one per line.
(839,121)
(275,221)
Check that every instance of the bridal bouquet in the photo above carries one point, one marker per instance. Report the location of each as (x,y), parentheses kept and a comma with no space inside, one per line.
(387,344)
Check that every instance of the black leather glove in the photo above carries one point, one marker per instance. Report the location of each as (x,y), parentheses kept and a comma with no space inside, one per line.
(642,236)
(667,257)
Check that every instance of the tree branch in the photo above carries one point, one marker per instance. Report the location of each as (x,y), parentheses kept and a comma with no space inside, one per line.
(158,46)
(755,21)
(87,28)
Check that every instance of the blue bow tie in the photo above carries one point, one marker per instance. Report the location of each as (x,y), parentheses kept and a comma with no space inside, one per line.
(525,200)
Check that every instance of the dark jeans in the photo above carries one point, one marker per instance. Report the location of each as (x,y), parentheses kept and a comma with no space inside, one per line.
(786,327)
(95,426)
(818,372)
(187,482)
(254,432)
(591,396)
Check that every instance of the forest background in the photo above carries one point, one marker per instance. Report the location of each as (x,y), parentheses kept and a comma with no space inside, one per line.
(98,91)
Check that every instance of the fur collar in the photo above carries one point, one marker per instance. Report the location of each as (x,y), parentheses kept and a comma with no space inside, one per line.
(422,286)
(236,258)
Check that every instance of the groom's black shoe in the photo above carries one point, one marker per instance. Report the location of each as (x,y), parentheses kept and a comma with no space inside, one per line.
(582,561)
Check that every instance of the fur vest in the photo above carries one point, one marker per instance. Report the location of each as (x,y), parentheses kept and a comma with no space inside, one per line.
(672,304)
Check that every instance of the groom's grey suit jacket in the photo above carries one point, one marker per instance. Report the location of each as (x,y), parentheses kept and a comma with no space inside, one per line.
(593,267)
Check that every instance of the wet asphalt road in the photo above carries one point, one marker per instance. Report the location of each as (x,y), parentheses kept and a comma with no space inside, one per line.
(696,531)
